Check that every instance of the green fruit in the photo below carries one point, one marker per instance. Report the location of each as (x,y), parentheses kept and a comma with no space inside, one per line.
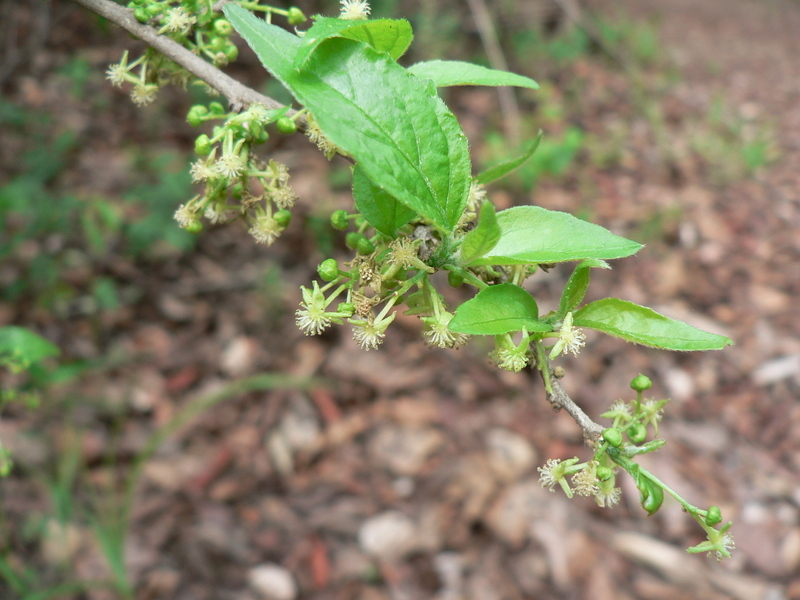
(202,145)
(286,125)
(364,246)
(613,437)
(713,516)
(604,473)
(195,227)
(346,308)
(283,217)
(328,269)
(223,27)
(295,16)
(340,220)
(455,279)
(352,239)
(641,383)
(637,433)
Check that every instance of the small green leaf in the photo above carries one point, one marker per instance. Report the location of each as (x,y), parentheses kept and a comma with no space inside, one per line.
(497,310)
(384,35)
(645,326)
(576,287)
(24,347)
(483,238)
(535,235)
(454,72)
(505,167)
(379,208)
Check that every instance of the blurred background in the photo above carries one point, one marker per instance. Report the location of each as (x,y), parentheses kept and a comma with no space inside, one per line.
(190,443)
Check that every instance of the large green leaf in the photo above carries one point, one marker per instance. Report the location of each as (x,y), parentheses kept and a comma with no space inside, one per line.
(532,234)
(578,283)
(483,238)
(385,35)
(379,208)
(455,72)
(505,167)
(645,326)
(496,310)
(405,138)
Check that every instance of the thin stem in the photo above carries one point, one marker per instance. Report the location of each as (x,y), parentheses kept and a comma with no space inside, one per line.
(239,95)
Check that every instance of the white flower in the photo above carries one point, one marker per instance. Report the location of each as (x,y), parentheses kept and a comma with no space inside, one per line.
(144,93)
(284,197)
(585,480)
(203,170)
(354,10)
(316,135)
(511,359)
(369,333)
(570,339)
(265,230)
(438,333)
(607,496)
(117,74)
(230,165)
(186,215)
(311,318)
(177,20)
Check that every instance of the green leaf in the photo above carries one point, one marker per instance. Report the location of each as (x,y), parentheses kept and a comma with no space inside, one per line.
(645,326)
(379,208)
(455,72)
(505,167)
(384,35)
(532,234)
(24,347)
(483,238)
(405,138)
(496,310)
(275,47)
(576,287)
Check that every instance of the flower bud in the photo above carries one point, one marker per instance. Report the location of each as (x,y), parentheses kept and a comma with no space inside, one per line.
(651,496)
(283,218)
(455,279)
(202,145)
(637,433)
(196,114)
(216,108)
(223,27)
(346,308)
(194,227)
(613,437)
(286,125)
(364,246)
(328,269)
(604,473)
(231,52)
(352,238)
(339,220)
(713,516)
(295,16)
(140,14)
(641,383)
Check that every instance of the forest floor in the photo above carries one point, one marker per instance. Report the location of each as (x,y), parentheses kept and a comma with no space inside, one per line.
(250,453)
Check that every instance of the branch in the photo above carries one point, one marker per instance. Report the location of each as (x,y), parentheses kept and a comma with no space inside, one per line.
(560,399)
(239,95)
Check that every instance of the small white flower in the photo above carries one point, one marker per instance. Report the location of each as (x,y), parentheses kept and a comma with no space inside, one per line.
(186,215)
(570,339)
(117,74)
(585,480)
(230,165)
(438,333)
(203,170)
(511,359)
(284,197)
(354,10)
(369,333)
(311,318)
(265,230)
(607,497)
(316,135)
(144,93)
(177,20)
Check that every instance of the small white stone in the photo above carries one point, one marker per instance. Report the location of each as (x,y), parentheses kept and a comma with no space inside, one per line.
(272,582)
(387,536)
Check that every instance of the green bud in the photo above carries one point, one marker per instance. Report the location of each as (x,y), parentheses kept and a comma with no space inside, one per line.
(651,496)
(283,217)
(216,108)
(346,308)
(195,227)
(364,246)
(352,238)
(713,516)
(328,269)
(455,279)
(196,114)
(154,10)
(231,52)
(613,437)
(340,220)
(604,473)
(202,145)
(140,14)
(295,16)
(255,129)
(286,125)
(637,433)
(223,27)
(641,383)
(263,136)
